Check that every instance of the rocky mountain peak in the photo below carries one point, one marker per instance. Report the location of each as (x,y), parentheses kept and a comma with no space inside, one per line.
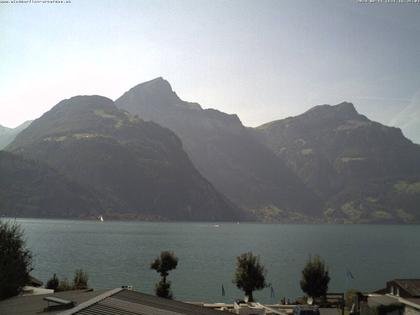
(156,92)
(340,112)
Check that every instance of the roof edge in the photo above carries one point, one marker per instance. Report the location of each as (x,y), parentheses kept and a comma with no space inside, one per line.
(92,301)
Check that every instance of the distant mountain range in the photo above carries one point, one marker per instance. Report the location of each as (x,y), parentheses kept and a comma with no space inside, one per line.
(7,135)
(330,164)
(223,150)
(409,119)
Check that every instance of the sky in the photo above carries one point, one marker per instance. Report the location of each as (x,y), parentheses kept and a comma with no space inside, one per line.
(263,60)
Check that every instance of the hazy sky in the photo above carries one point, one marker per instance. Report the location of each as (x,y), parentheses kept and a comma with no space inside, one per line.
(263,60)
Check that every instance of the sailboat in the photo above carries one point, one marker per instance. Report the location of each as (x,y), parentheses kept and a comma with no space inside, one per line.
(101,218)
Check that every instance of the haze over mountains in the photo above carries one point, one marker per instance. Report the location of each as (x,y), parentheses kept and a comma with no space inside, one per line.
(361,169)
(137,168)
(409,119)
(223,150)
(330,164)
(7,135)
(32,189)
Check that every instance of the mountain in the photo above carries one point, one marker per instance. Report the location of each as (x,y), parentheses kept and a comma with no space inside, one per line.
(7,135)
(409,119)
(223,150)
(365,171)
(138,168)
(32,189)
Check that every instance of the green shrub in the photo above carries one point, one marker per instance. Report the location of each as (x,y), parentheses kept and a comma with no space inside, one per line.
(163,289)
(53,283)
(80,280)
(64,285)
(15,260)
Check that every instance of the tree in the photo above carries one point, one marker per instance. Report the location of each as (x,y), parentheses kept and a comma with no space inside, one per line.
(53,283)
(166,262)
(163,289)
(15,260)
(64,285)
(250,274)
(80,280)
(315,278)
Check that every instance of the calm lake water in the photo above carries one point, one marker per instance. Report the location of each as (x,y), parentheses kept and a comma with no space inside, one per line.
(119,253)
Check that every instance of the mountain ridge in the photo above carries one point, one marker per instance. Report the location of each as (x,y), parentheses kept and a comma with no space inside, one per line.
(328,164)
(222,150)
(342,155)
(347,150)
(140,166)
(7,135)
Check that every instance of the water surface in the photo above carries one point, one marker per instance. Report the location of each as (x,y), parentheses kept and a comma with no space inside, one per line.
(119,253)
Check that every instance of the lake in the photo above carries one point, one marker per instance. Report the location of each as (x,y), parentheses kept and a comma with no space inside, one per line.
(119,253)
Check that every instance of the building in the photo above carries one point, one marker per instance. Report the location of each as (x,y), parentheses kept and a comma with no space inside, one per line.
(399,297)
(128,302)
(405,288)
(407,306)
(87,302)
(125,301)
(36,304)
